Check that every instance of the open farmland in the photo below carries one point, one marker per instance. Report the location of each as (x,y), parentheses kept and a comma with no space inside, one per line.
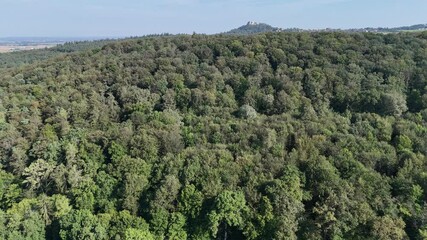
(14,48)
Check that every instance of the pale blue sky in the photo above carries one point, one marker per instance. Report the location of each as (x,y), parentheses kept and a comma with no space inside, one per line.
(72,18)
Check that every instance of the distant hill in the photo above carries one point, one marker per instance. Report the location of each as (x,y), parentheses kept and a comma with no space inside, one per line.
(254,28)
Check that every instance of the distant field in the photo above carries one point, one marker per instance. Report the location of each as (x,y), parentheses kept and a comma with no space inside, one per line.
(14,48)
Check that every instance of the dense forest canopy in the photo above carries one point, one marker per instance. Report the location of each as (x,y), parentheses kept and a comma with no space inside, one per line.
(270,136)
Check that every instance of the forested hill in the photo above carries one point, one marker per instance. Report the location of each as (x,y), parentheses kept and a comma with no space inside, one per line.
(271,136)
(253,28)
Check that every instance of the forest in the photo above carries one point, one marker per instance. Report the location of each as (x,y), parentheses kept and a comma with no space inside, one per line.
(266,136)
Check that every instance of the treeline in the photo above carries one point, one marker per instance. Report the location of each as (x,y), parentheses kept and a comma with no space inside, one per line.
(272,136)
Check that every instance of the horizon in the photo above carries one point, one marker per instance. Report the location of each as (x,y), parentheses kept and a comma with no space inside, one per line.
(95,38)
(107,18)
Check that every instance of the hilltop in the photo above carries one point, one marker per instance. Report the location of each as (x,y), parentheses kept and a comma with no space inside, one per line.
(253,28)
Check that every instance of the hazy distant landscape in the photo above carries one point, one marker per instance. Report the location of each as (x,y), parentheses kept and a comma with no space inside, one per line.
(16,44)
(254,27)
(15,48)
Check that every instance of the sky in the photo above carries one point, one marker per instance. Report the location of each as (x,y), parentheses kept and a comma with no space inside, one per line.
(122,18)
